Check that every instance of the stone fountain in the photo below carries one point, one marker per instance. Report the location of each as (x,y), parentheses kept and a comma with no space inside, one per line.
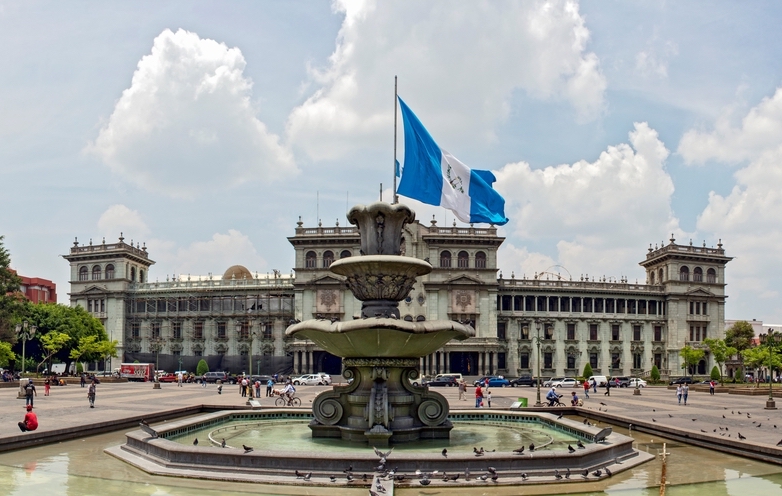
(380,352)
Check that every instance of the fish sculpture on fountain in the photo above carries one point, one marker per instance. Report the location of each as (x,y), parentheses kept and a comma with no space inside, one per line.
(380,352)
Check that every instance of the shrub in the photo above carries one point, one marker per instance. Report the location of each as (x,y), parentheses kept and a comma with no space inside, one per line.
(715,373)
(655,373)
(202,368)
(587,371)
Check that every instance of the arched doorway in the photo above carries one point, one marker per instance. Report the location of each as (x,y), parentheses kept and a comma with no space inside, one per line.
(464,362)
(327,363)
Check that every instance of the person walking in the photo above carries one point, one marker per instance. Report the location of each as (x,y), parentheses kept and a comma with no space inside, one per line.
(478,396)
(586,389)
(244,387)
(685,393)
(29,391)
(91,394)
(679,393)
(46,385)
(257,388)
(594,385)
(179,378)
(83,379)
(608,388)
(203,381)
(30,422)
(711,387)
(462,390)
(269,387)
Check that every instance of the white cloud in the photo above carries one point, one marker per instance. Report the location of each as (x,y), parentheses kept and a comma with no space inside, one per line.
(465,61)
(748,217)
(187,122)
(599,213)
(653,62)
(759,132)
(203,257)
(120,219)
(520,262)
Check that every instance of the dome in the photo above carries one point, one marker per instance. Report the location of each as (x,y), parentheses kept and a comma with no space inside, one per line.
(237,272)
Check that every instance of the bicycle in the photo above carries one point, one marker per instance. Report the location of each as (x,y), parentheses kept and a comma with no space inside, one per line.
(556,402)
(283,401)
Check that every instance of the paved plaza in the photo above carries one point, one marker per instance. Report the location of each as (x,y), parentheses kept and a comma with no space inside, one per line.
(67,407)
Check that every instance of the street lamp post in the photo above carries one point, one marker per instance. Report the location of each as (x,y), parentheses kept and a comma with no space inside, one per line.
(537,342)
(771,339)
(25,332)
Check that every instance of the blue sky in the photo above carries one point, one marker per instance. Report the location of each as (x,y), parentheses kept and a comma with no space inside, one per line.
(204,129)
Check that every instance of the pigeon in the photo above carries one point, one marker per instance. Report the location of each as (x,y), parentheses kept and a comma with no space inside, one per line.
(702,430)
(741,437)
(617,461)
(308,476)
(144,422)
(654,410)
(653,420)
(571,449)
(532,446)
(299,475)
(478,452)
(585,474)
(580,444)
(454,477)
(524,475)
(348,470)
(332,478)
(670,415)
(445,452)
(223,443)
(349,477)
(597,473)
(567,474)
(603,404)
(739,413)
(519,451)
(491,470)
(383,456)
(247,449)
(495,477)
(559,417)
(731,412)
(748,415)
(556,475)
(364,478)
(779,443)
(424,482)
(694,420)
(483,477)
(195,442)
(608,472)
(445,477)
(723,416)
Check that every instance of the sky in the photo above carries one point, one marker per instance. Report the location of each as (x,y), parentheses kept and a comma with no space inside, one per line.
(205,129)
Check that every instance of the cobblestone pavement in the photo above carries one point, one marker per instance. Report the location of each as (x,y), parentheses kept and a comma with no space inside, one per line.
(68,407)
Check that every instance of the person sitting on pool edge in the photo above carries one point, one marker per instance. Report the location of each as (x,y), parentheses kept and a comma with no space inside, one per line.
(30,422)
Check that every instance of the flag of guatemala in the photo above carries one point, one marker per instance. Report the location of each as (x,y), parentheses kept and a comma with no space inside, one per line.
(432,175)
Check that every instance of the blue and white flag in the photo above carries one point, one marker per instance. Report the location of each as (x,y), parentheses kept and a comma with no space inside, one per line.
(433,176)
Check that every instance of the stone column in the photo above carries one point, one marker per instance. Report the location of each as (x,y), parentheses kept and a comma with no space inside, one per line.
(310,365)
(295,362)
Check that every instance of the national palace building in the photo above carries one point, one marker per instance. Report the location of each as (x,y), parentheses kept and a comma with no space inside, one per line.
(236,320)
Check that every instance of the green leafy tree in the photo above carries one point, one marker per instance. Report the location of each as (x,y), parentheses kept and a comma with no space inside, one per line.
(720,351)
(202,367)
(691,356)
(11,299)
(51,343)
(757,357)
(588,371)
(655,373)
(715,374)
(740,335)
(91,348)
(6,355)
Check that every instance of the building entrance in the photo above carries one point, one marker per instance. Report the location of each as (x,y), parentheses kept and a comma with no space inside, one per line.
(327,363)
(464,362)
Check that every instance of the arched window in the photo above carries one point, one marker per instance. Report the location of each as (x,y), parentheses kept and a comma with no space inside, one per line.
(133,274)
(84,274)
(445,259)
(109,271)
(464,260)
(96,273)
(697,274)
(311,260)
(684,273)
(408,318)
(480,260)
(711,276)
(328,258)
(651,278)
(141,276)
(345,254)
(660,276)
(420,318)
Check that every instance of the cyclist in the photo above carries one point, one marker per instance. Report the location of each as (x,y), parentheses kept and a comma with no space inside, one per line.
(552,397)
(288,391)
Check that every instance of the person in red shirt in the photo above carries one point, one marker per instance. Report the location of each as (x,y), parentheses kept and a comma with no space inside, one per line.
(478,396)
(30,422)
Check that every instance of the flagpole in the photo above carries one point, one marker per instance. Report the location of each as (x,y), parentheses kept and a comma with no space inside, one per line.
(395,197)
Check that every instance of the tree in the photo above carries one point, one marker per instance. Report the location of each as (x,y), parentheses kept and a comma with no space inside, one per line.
(52,342)
(740,336)
(11,299)
(588,371)
(758,357)
(720,351)
(655,373)
(691,356)
(91,348)
(6,355)
(715,374)
(202,367)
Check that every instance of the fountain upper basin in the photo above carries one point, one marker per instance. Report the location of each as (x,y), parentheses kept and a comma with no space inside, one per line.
(380,338)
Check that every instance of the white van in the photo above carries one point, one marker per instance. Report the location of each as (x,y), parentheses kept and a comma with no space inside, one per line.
(601,380)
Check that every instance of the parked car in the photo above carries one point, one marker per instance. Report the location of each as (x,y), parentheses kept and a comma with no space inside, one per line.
(567,382)
(681,380)
(457,377)
(445,381)
(167,378)
(600,380)
(623,381)
(263,379)
(525,380)
(212,377)
(550,382)
(312,380)
(636,382)
(492,381)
